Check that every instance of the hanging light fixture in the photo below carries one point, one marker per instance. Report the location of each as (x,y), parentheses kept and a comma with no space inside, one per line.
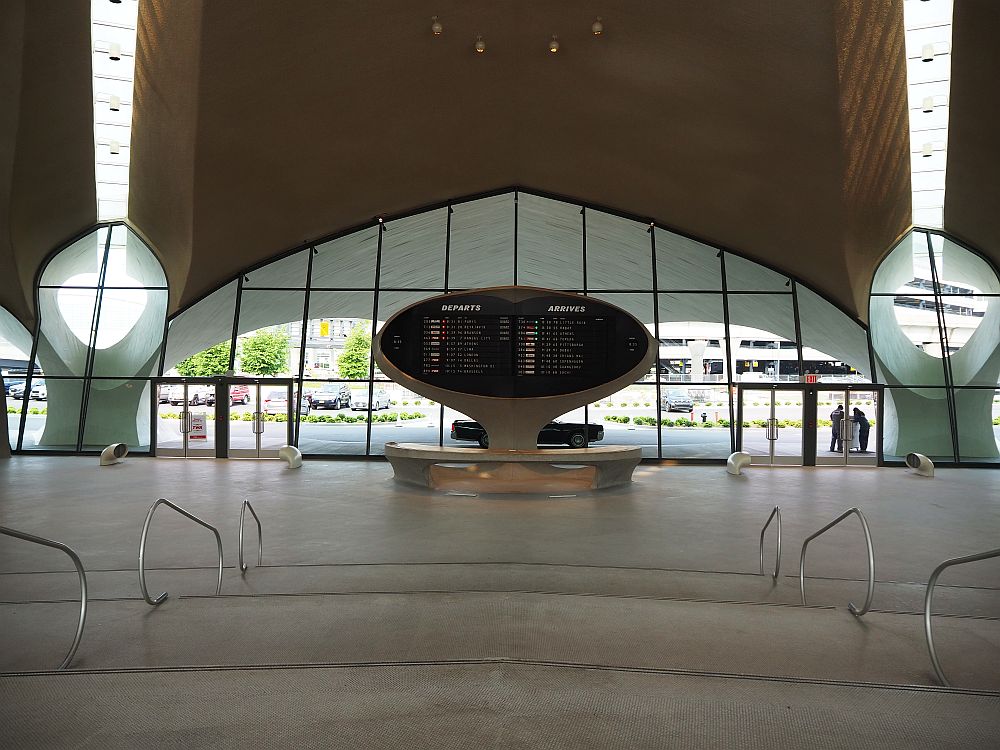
(436,27)
(554,44)
(114,147)
(597,27)
(928,104)
(115,103)
(927,54)
(114,51)
(927,150)
(480,45)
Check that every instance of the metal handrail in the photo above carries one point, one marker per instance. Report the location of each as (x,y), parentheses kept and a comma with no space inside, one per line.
(80,572)
(928,597)
(142,548)
(260,538)
(776,513)
(871,560)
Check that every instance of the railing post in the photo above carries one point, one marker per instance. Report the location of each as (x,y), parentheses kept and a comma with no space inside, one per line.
(929,597)
(260,539)
(871,560)
(80,572)
(775,514)
(142,548)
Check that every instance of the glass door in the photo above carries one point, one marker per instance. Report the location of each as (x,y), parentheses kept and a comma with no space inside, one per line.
(771,425)
(849,417)
(260,419)
(184,420)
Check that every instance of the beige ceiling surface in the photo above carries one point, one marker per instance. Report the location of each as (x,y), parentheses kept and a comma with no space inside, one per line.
(775,128)
(972,191)
(47,188)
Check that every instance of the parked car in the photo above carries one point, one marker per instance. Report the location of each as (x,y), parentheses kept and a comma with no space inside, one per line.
(197,393)
(8,385)
(38,391)
(276,402)
(238,394)
(676,400)
(573,434)
(380,400)
(16,391)
(332,397)
(11,383)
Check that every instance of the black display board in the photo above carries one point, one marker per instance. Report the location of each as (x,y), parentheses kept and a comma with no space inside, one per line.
(541,346)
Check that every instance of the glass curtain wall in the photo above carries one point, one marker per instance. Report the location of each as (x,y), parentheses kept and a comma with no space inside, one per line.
(102,304)
(719,320)
(935,317)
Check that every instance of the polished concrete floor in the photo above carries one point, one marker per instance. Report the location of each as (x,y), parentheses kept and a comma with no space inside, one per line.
(399,616)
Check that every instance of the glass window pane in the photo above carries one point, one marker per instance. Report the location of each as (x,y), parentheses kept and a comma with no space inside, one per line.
(744,275)
(916,420)
(269,333)
(629,418)
(763,343)
(833,345)
(973,330)
(414,422)
(960,271)
(66,318)
(339,340)
(695,421)
(79,264)
(549,243)
(619,253)
(203,325)
(905,341)
(692,338)
(347,262)
(287,273)
(413,251)
(906,267)
(130,332)
(117,412)
(482,243)
(978,418)
(53,419)
(685,264)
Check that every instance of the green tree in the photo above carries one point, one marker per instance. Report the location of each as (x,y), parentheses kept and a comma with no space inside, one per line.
(265,353)
(207,364)
(354,360)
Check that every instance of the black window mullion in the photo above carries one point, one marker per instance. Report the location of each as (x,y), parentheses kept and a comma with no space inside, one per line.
(371,349)
(730,364)
(656,337)
(945,353)
(302,343)
(92,345)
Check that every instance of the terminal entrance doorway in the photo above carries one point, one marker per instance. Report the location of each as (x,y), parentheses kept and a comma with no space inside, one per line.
(770,425)
(849,436)
(183,418)
(260,419)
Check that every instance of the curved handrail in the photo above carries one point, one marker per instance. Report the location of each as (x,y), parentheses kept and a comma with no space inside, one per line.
(142,548)
(80,572)
(928,597)
(260,538)
(871,560)
(776,513)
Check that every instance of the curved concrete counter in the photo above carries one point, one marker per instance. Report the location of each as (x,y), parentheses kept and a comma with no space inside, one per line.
(523,471)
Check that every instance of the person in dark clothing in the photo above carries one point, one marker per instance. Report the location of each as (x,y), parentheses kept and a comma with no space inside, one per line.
(836,446)
(864,426)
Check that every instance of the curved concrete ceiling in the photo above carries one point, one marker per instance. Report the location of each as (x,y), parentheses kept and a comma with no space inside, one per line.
(972,210)
(774,128)
(47,187)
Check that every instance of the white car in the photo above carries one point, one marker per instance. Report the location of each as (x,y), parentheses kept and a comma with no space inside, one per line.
(380,400)
(39,392)
(198,393)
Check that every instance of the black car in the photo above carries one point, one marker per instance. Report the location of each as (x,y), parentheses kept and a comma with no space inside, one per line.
(332,398)
(573,434)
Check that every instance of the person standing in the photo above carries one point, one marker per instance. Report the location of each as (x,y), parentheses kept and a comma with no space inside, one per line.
(864,427)
(836,446)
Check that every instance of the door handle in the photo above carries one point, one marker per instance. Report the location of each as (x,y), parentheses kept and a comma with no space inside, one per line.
(185,424)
